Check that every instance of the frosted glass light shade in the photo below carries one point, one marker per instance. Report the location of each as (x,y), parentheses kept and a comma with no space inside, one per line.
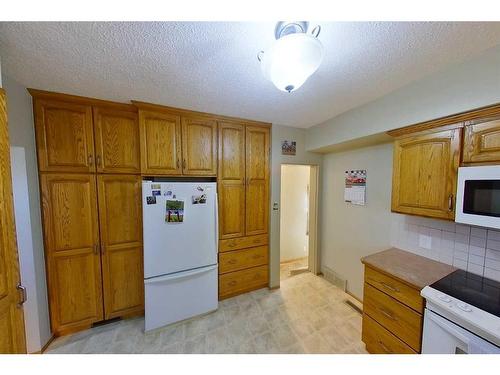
(291,60)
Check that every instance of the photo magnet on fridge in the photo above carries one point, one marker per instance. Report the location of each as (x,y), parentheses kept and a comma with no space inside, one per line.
(174,211)
(151,200)
(156,192)
(199,199)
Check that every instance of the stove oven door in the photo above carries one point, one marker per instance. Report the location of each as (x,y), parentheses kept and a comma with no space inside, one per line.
(441,336)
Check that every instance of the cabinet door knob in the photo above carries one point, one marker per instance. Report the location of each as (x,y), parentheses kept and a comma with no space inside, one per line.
(178,164)
(450,202)
(184,164)
(91,160)
(98,160)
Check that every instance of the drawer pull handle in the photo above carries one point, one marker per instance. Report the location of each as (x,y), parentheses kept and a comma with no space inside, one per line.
(386,349)
(231,244)
(387,286)
(232,261)
(387,314)
(256,240)
(257,256)
(232,283)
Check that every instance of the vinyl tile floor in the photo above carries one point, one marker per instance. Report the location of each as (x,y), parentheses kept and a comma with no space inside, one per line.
(306,315)
(287,267)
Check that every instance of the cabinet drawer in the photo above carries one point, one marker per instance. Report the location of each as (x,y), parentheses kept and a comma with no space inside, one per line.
(378,340)
(399,319)
(242,242)
(402,292)
(237,282)
(241,259)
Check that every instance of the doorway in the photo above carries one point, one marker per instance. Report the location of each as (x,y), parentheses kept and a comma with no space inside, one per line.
(297,220)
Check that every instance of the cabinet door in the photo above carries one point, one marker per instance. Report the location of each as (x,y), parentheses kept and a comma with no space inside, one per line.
(231,180)
(64,137)
(257,180)
(117,141)
(160,143)
(71,249)
(120,219)
(482,141)
(199,146)
(425,174)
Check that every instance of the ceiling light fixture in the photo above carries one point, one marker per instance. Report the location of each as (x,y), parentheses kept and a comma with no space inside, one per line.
(293,57)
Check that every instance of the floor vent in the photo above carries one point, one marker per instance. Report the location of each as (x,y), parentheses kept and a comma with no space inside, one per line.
(353,306)
(333,277)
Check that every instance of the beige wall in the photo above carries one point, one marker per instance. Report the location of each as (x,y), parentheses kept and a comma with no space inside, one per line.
(278,134)
(21,133)
(294,211)
(349,232)
(470,84)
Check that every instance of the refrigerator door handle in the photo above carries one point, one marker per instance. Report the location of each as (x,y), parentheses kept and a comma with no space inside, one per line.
(216,224)
(179,275)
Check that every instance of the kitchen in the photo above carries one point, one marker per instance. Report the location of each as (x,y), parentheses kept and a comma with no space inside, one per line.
(155,222)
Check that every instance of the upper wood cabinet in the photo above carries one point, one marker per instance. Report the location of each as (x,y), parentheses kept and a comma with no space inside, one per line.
(64,136)
(69,203)
(257,180)
(199,146)
(425,174)
(482,141)
(231,180)
(116,141)
(160,143)
(120,222)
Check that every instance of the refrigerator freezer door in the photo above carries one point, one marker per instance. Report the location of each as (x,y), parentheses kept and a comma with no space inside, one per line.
(177,247)
(172,298)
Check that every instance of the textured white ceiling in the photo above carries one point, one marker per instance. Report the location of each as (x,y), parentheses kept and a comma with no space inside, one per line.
(212,66)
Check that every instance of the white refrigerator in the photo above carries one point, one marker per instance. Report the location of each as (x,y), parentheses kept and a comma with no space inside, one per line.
(180,250)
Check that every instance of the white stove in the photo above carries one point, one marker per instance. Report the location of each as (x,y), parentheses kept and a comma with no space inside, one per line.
(462,315)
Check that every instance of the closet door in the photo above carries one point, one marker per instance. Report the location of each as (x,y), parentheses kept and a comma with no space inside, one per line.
(199,146)
(257,180)
(120,219)
(160,143)
(116,140)
(231,180)
(72,250)
(64,137)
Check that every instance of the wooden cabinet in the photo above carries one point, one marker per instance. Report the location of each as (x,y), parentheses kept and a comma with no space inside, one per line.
(116,140)
(231,180)
(120,219)
(425,174)
(64,136)
(199,146)
(390,326)
(482,141)
(69,204)
(160,143)
(257,180)
(243,183)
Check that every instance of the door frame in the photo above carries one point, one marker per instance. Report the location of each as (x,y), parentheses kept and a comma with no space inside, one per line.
(313,262)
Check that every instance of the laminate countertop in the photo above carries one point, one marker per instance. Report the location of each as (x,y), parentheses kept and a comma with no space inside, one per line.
(411,269)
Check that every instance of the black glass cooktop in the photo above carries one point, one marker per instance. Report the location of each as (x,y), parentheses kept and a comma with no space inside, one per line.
(475,290)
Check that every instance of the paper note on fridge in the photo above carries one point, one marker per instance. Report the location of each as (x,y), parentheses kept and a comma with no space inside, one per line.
(174,211)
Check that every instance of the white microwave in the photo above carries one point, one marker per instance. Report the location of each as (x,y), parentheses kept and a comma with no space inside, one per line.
(478,196)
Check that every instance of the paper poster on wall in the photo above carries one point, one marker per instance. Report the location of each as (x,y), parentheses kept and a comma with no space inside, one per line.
(288,147)
(174,211)
(355,187)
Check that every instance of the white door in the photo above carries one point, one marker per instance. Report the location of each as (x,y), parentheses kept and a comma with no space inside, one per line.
(171,247)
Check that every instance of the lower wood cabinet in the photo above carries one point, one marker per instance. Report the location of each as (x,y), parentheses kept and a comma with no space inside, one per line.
(93,247)
(392,315)
(234,283)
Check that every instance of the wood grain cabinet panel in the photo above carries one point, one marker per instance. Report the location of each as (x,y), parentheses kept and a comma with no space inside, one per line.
(199,146)
(69,203)
(257,180)
(64,136)
(231,180)
(241,259)
(233,283)
(425,174)
(12,333)
(242,242)
(379,340)
(482,141)
(116,140)
(160,143)
(120,219)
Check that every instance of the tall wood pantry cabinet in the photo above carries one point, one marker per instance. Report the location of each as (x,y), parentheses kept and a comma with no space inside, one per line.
(243,189)
(89,165)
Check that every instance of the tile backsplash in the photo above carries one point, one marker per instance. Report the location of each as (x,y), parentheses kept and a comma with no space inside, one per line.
(474,249)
